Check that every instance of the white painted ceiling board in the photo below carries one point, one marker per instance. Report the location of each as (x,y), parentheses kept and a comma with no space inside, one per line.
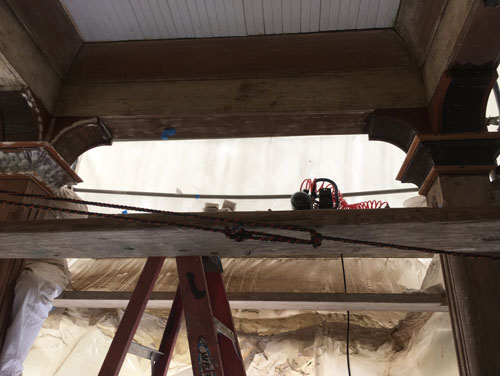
(286,16)
(295,16)
(352,19)
(115,20)
(305,16)
(343,16)
(315,15)
(335,9)
(363,14)
(373,12)
(268,11)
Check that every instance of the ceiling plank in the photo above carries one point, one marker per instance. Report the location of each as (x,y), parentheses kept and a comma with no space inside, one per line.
(462,229)
(414,302)
(51,29)
(260,56)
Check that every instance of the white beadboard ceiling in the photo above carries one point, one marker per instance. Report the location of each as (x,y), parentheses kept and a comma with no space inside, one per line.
(116,20)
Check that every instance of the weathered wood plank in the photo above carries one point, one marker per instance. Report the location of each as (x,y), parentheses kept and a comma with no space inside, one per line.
(19,53)
(467,229)
(414,302)
(238,125)
(241,57)
(319,93)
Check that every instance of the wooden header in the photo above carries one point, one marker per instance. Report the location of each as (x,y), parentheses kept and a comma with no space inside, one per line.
(240,57)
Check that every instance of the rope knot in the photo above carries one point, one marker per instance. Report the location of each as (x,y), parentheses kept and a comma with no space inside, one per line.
(237,233)
(316,238)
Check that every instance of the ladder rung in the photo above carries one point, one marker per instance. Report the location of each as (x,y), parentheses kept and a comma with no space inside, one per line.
(223,329)
(144,351)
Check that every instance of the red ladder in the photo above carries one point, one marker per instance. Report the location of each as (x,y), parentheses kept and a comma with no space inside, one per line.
(202,298)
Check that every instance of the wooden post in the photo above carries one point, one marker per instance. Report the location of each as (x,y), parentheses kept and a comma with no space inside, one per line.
(471,284)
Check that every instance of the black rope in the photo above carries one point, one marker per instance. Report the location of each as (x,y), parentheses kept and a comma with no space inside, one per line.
(236,233)
(348,319)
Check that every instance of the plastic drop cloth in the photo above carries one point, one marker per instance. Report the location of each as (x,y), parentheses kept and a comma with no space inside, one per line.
(263,275)
(272,342)
(79,341)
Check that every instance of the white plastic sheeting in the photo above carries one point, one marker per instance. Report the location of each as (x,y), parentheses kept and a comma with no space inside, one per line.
(77,343)
(272,342)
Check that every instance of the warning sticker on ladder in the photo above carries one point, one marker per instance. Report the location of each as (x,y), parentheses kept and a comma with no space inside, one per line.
(205,361)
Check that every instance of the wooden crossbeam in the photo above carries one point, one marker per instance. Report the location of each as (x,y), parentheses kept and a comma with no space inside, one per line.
(459,229)
(414,302)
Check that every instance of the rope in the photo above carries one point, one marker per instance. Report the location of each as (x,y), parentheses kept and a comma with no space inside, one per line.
(236,233)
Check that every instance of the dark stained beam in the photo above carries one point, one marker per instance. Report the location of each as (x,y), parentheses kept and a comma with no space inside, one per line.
(417,23)
(51,29)
(414,302)
(259,56)
(467,229)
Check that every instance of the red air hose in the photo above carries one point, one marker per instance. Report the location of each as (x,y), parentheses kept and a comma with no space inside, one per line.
(307,184)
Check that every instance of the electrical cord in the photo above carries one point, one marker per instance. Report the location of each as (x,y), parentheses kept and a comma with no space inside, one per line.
(348,319)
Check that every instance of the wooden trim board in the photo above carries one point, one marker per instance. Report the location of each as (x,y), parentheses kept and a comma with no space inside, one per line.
(412,302)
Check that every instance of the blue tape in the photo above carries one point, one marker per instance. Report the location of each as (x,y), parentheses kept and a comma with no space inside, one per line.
(168,133)
(197,196)
(125,212)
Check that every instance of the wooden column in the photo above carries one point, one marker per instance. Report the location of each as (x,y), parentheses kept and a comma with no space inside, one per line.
(452,171)
(472,285)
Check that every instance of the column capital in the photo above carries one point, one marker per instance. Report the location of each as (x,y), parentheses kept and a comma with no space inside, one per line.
(429,155)
(37,161)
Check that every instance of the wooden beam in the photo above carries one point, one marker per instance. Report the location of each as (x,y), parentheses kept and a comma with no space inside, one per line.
(464,37)
(256,56)
(417,23)
(21,61)
(414,302)
(295,94)
(467,230)
(51,29)
(238,125)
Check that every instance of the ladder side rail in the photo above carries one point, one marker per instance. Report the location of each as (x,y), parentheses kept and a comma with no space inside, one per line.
(131,318)
(170,335)
(202,336)
(230,351)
